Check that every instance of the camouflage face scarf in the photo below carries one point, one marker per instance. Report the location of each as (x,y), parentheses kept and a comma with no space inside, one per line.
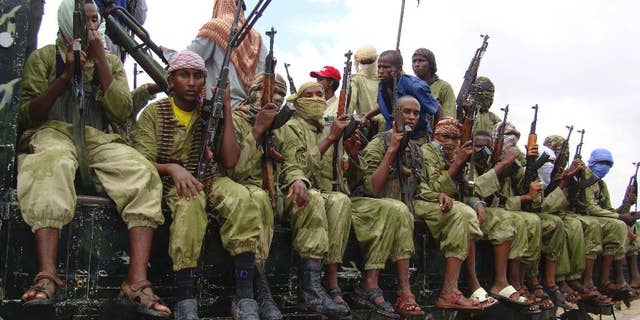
(311,110)
(449,127)
(554,142)
(484,98)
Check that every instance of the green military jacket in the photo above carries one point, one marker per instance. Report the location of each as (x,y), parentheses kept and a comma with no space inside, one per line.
(373,154)
(555,202)
(364,94)
(147,135)
(298,142)
(438,178)
(114,103)
(597,200)
(249,166)
(485,121)
(443,92)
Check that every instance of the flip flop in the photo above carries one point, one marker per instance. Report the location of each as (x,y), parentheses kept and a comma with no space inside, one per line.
(504,296)
(483,297)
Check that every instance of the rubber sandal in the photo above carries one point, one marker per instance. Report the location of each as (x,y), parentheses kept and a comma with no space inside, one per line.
(407,309)
(585,294)
(133,294)
(559,299)
(336,292)
(49,289)
(454,302)
(541,298)
(600,299)
(504,296)
(367,298)
(483,297)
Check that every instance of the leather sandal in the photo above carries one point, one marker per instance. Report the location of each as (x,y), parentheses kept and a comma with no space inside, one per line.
(542,298)
(145,302)
(46,284)
(457,302)
(559,298)
(367,298)
(406,308)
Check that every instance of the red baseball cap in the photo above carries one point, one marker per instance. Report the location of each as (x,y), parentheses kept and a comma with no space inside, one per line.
(326,72)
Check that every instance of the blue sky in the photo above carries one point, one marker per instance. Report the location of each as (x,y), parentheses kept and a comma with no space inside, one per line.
(577,59)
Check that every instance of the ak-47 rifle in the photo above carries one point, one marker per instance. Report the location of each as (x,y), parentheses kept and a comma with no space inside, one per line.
(631,194)
(402,171)
(575,188)
(212,110)
(292,86)
(556,164)
(498,143)
(343,100)
(531,169)
(117,18)
(470,77)
(268,176)
(80,32)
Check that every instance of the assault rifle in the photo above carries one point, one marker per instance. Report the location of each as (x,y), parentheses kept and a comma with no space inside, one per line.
(117,18)
(531,169)
(575,187)
(80,32)
(631,194)
(470,77)
(212,110)
(402,171)
(556,164)
(268,177)
(338,151)
(498,143)
(292,86)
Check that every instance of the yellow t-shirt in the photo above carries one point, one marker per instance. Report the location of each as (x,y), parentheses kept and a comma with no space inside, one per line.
(184,117)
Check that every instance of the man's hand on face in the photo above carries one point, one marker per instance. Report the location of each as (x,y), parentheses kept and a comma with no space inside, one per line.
(337,127)
(298,194)
(264,119)
(396,139)
(187,186)
(510,156)
(96,47)
(446,203)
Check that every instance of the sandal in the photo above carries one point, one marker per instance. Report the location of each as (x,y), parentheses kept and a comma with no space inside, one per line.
(374,300)
(483,297)
(541,297)
(600,299)
(559,298)
(134,294)
(585,294)
(457,302)
(336,292)
(506,296)
(406,308)
(46,284)
(569,294)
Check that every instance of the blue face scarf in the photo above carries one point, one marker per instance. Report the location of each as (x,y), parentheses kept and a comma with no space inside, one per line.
(600,169)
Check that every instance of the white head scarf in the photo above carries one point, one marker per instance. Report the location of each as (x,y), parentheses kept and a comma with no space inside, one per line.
(65,21)
(544,172)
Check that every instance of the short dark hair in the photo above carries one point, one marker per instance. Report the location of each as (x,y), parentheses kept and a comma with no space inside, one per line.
(396,57)
(334,84)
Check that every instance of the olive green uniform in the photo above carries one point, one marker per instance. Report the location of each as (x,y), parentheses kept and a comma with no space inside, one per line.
(443,92)
(47,160)
(364,97)
(485,121)
(240,220)
(321,229)
(598,204)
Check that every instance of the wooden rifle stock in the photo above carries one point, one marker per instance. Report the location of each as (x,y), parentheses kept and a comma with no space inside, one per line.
(268,176)
(631,193)
(338,151)
(498,143)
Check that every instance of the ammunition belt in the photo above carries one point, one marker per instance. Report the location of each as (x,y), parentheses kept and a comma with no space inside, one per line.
(166,128)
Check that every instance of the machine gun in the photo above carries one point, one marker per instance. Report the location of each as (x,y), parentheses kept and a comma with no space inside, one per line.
(631,194)
(117,19)
(556,164)
(498,143)
(402,171)
(531,169)
(470,77)
(212,110)
(78,117)
(338,151)
(292,86)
